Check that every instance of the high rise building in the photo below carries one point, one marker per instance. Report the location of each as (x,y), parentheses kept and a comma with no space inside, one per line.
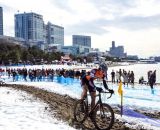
(117,51)
(81,40)
(54,34)
(29,26)
(1,21)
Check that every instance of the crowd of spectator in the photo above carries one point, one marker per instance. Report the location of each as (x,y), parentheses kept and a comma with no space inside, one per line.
(43,74)
(122,75)
(32,75)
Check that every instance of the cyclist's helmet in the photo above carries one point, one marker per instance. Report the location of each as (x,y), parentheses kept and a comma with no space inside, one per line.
(103,67)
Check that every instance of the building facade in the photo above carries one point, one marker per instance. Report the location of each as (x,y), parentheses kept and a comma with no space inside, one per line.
(74,50)
(81,40)
(1,21)
(117,51)
(54,34)
(29,26)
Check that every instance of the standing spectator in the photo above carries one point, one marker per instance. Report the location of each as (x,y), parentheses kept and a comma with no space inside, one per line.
(25,74)
(132,77)
(152,80)
(125,77)
(113,76)
(9,72)
(128,75)
(117,77)
(149,74)
(14,74)
(120,74)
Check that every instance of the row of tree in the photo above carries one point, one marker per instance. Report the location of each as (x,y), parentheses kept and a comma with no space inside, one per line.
(14,54)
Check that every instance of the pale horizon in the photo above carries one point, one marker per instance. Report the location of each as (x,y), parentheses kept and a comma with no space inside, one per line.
(134,24)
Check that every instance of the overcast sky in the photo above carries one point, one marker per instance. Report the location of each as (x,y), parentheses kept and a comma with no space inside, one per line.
(135,24)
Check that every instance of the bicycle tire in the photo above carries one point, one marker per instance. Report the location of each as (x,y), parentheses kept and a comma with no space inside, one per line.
(80,115)
(105,121)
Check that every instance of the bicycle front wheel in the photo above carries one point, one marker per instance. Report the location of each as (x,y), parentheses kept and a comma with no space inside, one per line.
(80,112)
(103,117)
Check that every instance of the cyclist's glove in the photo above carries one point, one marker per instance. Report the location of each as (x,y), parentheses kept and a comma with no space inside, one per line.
(111,91)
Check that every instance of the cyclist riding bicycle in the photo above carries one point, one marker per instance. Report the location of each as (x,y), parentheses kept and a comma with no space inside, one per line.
(87,82)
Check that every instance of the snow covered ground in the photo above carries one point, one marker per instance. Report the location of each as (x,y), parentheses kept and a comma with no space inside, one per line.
(19,111)
(138,97)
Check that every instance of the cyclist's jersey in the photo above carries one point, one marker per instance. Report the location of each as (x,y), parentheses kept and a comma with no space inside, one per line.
(95,73)
(88,79)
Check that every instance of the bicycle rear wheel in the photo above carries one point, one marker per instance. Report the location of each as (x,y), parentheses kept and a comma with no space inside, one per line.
(103,118)
(80,111)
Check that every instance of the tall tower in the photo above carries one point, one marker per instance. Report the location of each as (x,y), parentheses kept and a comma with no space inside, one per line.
(113,44)
(1,21)
(29,26)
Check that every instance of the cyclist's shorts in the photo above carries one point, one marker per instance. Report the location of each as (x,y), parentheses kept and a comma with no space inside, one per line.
(85,81)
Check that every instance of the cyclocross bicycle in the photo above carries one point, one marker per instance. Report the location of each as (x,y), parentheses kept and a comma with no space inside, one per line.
(101,114)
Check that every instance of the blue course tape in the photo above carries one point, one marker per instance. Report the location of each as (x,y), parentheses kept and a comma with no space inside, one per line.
(129,112)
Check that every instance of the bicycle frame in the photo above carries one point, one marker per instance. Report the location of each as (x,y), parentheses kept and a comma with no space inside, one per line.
(97,103)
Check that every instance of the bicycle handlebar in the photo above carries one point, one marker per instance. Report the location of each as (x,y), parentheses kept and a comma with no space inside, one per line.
(109,91)
(100,90)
